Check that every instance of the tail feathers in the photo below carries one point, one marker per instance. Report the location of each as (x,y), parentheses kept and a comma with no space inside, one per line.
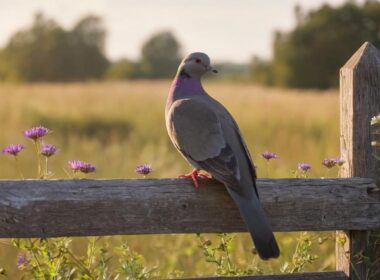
(268,249)
(258,225)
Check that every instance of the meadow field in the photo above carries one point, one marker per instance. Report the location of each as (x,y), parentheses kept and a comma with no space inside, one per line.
(118,125)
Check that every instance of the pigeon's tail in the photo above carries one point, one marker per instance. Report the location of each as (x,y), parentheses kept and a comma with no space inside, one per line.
(258,225)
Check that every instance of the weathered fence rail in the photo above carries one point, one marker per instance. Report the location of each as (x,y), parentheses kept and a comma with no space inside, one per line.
(35,208)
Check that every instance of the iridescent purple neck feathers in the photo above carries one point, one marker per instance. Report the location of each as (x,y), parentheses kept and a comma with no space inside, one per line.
(184,86)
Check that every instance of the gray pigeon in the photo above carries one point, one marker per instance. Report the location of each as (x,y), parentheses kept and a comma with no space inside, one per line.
(206,134)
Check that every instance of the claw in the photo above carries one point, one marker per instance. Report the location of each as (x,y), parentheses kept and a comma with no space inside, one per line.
(205,175)
(194,175)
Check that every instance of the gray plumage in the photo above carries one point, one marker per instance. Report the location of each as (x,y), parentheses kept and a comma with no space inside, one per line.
(206,134)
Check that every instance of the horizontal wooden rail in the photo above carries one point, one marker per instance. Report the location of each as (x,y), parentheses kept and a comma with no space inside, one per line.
(48,208)
(333,275)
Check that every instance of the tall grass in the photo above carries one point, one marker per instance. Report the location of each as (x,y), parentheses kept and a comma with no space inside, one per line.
(119,125)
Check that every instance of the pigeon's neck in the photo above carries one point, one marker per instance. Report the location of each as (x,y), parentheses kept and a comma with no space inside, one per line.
(184,86)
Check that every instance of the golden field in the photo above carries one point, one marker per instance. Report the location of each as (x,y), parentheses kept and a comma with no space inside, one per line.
(117,125)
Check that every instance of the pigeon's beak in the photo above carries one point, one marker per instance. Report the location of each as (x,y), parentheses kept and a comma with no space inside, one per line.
(211,69)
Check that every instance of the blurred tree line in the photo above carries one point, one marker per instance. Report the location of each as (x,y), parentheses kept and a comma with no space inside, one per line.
(47,52)
(160,56)
(311,54)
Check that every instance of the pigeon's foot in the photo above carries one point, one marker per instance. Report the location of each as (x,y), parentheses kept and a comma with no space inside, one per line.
(195,175)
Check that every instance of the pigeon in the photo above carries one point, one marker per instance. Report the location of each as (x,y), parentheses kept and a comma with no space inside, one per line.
(208,137)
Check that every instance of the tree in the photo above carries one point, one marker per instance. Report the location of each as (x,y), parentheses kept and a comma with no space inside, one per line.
(311,54)
(47,52)
(86,49)
(161,55)
(261,71)
(90,31)
(122,69)
(25,58)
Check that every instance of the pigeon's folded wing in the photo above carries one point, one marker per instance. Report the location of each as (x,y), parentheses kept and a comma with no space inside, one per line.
(197,132)
(195,129)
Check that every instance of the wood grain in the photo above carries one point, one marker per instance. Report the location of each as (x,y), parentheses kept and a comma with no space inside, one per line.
(359,102)
(38,208)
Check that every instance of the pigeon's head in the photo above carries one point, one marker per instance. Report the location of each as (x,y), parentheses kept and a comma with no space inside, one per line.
(195,65)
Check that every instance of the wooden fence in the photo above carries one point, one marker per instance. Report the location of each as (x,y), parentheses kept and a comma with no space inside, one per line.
(38,208)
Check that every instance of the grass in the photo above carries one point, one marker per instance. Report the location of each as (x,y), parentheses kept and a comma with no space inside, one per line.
(119,125)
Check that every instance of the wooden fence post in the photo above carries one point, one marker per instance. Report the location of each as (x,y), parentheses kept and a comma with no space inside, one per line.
(357,253)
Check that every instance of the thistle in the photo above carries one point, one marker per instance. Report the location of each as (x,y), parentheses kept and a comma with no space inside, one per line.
(81,166)
(268,156)
(304,168)
(14,150)
(35,134)
(143,169)
(47,150)
(329,162)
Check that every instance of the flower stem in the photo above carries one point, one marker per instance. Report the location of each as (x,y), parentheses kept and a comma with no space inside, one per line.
(39,175)
(225,246)
(18,168)
(32,250)
(46,167)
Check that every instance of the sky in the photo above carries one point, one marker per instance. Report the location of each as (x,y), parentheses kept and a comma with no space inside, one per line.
(228,30)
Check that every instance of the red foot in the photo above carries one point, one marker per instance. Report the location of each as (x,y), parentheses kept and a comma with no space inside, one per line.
(194,175)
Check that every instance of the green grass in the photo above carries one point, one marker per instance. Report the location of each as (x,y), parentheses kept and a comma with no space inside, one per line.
(119,125)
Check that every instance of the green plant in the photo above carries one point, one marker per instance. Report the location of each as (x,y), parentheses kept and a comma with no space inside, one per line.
(303,253)
(220,255)
(53,258)
(132,265)
(375,123)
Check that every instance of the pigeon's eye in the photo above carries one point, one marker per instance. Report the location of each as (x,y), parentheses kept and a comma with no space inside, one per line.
(197,60)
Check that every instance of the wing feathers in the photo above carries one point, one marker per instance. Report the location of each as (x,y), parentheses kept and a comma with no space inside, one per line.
(195,129)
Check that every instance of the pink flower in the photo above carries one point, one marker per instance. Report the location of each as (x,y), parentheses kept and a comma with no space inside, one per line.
(84,167)
(304,166)
(269,155)
(329,162)
(48,150)
(13,149)
(143,169)
(36,132)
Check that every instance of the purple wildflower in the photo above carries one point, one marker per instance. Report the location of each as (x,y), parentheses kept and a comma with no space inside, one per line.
(329,162)
(13,149)
(22,259)
(48,150)
(304,166)
(269,155)
(143,169)
(36,132)
(84,167)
